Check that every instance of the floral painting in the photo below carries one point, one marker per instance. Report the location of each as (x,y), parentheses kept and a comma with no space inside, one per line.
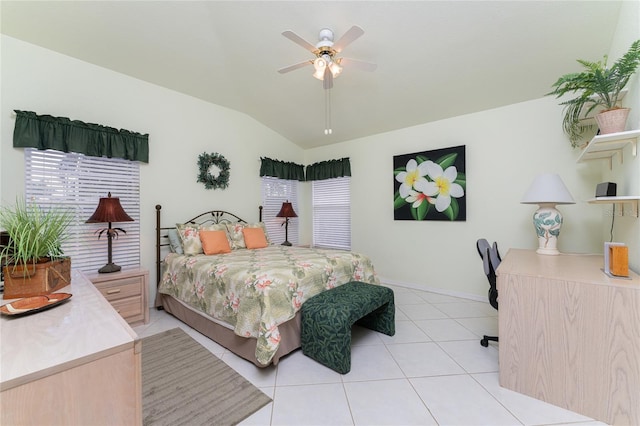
(430,185)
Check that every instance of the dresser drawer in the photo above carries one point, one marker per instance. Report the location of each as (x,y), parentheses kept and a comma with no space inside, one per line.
(128,308)
(121,289)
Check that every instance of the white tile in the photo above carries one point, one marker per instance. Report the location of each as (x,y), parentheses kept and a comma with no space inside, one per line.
(422,311)
(364,336)
(406,332)
(387,402)
(298,369)
(311,405)
(472,356)
(445,329)
(400,316)
(439,298)
(529,411)
(470,309)
(481,326)
(259,377)
(406,298)
(372,363)
(460,400)
(423,359)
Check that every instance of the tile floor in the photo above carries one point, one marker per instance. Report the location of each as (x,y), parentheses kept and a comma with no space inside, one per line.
(432,372)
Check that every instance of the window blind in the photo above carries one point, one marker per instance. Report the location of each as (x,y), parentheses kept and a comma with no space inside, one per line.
(76,181)
(275,192)
(331,200)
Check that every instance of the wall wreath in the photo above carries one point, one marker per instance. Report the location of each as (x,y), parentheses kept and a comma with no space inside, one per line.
(205,161)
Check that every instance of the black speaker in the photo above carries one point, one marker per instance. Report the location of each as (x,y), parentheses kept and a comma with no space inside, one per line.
(606,189)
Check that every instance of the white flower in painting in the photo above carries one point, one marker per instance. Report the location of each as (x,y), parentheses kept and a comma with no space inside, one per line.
(442,185)
(417,198)
(415,174)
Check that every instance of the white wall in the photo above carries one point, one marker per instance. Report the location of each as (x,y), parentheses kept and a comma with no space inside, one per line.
(180,128)
(626,175)
(505,149)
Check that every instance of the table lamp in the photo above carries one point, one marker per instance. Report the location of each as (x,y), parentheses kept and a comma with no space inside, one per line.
(286,211)
(109,210)
(547,190)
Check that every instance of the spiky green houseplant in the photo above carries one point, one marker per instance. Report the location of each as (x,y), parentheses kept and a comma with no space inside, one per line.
(598,86)
(34,233)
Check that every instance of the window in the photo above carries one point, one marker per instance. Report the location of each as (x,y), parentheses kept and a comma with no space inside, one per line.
(275,192)
(332,213)
(77,181)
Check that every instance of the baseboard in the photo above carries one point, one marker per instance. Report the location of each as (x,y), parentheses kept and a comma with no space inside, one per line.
(414,286)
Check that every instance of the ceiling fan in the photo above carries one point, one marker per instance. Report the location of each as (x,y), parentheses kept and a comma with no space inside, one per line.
(326,62)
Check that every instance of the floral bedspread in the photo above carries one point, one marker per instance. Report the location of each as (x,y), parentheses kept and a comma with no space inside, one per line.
(257,290)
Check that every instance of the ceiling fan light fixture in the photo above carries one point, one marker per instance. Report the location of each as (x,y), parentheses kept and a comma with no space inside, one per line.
(335,69)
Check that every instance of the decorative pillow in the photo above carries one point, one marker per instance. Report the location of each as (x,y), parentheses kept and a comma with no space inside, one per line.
(189,235)
(174,241)
(237,237)
(254,238)
(214,242)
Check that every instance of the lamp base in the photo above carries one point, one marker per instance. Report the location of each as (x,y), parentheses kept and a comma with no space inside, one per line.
(548,251)
(286,243)
(547,220)
(109,267)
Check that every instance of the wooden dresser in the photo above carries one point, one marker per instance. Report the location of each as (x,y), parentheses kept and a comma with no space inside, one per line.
(127,291)
(78,363)
(570,335)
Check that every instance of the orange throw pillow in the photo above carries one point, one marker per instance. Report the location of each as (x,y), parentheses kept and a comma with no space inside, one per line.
(214,242)
(254,238)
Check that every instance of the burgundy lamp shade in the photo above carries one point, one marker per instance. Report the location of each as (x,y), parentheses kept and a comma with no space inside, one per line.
(286,210)
(109,210)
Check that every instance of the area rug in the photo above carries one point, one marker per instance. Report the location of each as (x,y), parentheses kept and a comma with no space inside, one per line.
(185,384)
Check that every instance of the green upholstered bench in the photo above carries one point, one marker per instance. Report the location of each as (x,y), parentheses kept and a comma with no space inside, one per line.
(327,319)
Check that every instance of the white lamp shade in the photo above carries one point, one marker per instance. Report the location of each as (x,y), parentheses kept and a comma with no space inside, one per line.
(547,188)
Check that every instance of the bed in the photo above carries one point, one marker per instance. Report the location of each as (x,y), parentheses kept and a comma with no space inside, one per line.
(247,300)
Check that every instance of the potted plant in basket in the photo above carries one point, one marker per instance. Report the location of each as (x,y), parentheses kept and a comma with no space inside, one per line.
(598,86)
(34,260)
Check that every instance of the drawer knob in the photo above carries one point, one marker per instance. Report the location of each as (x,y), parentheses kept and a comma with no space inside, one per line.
(113,291)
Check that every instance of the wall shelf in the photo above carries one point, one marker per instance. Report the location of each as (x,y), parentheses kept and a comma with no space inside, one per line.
(606,146)
(631,200)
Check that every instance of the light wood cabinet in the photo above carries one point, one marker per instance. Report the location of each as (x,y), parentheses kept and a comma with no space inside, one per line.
(570,335)
(128,293)
(78,363)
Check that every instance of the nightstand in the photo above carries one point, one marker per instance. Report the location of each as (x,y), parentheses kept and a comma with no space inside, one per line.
(127,291)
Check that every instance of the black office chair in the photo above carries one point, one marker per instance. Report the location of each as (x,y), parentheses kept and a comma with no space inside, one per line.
(490,260)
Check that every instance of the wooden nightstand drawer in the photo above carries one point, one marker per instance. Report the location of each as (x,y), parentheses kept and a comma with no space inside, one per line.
(127,291)
(121,289)
(129,308)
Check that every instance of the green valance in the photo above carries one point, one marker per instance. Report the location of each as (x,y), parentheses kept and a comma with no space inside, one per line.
(281,169)
(60,133)
(329,169)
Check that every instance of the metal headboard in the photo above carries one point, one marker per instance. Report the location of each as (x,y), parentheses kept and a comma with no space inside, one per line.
(210,217)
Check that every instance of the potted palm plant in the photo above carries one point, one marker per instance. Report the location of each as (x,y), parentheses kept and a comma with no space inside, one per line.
(34,262)
(598,86)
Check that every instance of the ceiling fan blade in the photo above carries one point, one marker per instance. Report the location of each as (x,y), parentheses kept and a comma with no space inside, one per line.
(348,38)
(327,80)
(294,67)
(358,64)
(299,40)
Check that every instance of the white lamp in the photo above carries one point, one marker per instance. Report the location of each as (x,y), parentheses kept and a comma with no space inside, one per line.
(547,190)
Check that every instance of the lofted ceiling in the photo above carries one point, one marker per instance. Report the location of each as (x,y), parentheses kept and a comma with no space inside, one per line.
(436,59)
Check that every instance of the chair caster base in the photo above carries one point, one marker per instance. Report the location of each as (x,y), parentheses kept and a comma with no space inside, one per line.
(485,340)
